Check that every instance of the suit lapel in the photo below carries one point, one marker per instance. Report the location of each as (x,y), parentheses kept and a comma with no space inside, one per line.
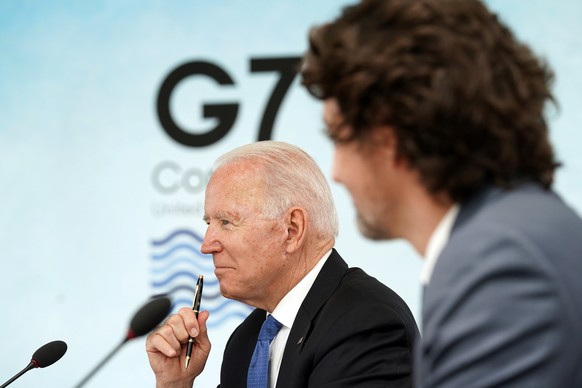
(258,317)
(325,284)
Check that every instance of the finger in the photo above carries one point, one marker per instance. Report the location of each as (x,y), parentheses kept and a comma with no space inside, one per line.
(173,333)
(156,343)
(179,330)
(190,321)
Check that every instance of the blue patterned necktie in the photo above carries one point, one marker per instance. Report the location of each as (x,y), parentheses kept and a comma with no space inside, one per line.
(258,376)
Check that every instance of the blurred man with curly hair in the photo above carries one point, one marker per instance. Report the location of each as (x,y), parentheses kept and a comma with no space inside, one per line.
(436,112)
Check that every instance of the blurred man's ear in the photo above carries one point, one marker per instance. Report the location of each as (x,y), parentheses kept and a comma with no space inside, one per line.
(383,136)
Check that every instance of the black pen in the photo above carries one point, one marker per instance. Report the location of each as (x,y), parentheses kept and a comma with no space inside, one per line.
(196,308)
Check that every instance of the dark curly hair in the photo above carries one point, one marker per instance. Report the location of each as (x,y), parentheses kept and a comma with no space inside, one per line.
(465,98)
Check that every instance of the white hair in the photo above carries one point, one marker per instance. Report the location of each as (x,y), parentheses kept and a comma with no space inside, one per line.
(291,178)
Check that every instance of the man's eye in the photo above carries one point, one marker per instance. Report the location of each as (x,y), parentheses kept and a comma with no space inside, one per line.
(224,222)
(339,135)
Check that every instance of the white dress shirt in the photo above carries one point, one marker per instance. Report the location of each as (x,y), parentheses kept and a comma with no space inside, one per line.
(285,312)
(437,242)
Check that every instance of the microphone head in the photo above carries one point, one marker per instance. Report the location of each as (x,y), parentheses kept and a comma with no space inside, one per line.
(49,354)
(148,317)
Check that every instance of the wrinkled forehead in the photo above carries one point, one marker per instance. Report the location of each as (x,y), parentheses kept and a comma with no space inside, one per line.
(240,181)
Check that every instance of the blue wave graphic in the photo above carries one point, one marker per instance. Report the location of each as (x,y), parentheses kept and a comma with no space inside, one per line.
(190,278)
(188,290)
(183,261)
(185,274)
(186,247)
(175,233)
(216,318)
(176,262)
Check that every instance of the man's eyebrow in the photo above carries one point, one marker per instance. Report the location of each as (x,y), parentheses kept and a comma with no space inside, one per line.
(220,214)
(337,134)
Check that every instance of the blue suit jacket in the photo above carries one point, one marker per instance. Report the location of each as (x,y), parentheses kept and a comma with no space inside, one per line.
(351,331)
(504,305)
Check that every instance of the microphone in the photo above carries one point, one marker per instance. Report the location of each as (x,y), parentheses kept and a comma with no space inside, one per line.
(46,355)
(148,317)
(145,320)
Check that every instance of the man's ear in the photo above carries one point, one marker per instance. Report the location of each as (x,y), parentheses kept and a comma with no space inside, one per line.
(384,136)
(384,142)
(296,228)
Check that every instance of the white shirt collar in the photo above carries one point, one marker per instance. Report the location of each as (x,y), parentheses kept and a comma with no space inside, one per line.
(285,312)
(288,307)
(437,242)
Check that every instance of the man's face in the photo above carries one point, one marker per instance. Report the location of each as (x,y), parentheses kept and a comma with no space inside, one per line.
(248,251)
(365,172)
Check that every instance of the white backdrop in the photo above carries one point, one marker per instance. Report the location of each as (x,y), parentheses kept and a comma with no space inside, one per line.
(100,208)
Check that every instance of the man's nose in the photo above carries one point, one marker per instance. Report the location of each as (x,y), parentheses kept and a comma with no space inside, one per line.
(210,244)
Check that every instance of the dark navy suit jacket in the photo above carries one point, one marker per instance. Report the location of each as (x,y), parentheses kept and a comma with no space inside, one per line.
(351,331)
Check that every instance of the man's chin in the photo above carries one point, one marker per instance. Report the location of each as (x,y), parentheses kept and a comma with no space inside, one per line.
(371,231)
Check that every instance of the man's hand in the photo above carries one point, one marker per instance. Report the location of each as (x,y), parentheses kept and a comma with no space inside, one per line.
(166,349)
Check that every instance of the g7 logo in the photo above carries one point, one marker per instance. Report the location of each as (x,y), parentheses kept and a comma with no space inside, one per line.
(225,113)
